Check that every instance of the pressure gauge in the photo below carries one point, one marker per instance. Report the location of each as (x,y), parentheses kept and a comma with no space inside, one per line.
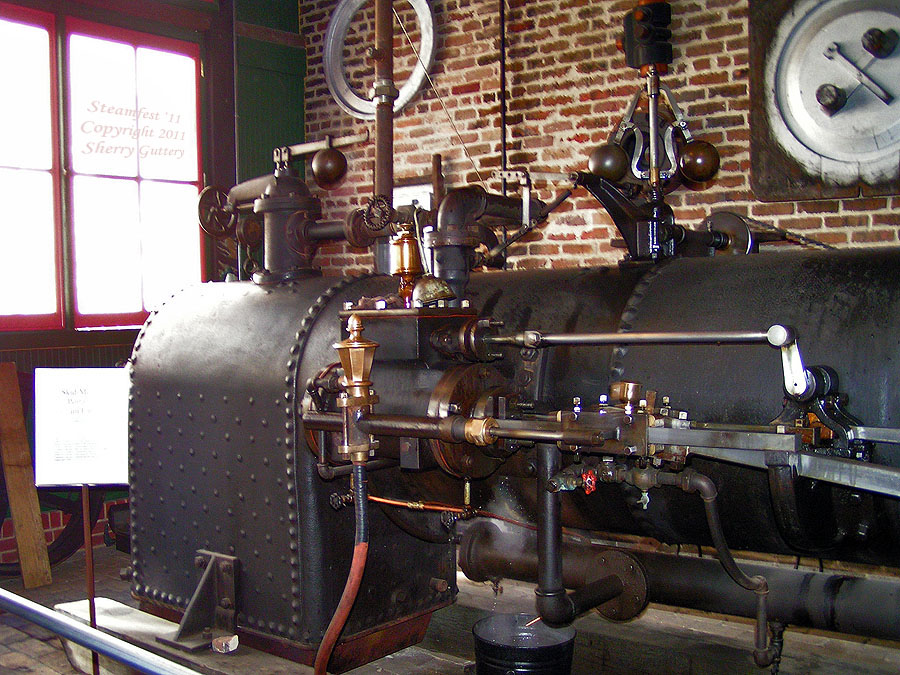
(831,82)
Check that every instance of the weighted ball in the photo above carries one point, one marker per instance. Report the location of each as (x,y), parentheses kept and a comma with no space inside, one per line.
(699,161)
(329,166)
(608,161)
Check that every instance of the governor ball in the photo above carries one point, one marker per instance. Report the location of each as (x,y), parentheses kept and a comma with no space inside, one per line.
(608,161)
(699,161)
(329,166)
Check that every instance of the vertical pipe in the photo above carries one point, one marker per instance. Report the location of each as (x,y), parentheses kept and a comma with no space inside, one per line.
(385,95)
(503,93)
(549,534)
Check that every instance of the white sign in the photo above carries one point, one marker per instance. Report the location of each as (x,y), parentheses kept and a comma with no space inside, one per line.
(81,426)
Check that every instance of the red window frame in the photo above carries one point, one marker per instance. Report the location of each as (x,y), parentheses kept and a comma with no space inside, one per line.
(56,320)
(74,25)
(60,29)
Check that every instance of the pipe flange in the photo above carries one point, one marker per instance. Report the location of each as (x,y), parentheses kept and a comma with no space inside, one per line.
(633,599)
(336,78)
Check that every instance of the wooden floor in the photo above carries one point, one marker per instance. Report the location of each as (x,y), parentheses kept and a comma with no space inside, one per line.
(659,641)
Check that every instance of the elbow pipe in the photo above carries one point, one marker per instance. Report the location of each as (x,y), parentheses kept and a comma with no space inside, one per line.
(764,652)
(456,233)
(553,604)
(461,207)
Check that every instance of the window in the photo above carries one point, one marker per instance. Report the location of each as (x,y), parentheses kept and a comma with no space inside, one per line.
(110,237)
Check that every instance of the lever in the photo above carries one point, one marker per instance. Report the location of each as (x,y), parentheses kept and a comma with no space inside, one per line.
(798,381)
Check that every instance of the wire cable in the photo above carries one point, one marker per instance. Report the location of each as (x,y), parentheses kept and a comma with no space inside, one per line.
(439,98)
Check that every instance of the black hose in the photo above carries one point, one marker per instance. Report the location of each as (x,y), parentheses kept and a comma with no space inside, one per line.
(357,567)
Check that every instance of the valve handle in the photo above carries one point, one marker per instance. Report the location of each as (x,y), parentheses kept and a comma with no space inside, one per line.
(217,217)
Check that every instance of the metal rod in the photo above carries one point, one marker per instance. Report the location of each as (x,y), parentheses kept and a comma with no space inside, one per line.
(452,428)
(329,142)
(568,436)
(89,568)
(535,339)
(76,631)
(653,104)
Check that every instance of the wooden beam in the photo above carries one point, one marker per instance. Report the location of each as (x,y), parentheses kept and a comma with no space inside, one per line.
(20,490)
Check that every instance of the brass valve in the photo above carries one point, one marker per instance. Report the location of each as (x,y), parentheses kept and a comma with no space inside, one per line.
(357,355)
(406,263)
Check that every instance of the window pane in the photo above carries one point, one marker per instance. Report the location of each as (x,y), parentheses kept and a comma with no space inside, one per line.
(25,132)
(167,97)
(171,241)
(107,245)
(103,106)
(28,289)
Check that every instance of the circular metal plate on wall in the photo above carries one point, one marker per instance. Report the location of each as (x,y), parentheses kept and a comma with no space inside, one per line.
(336,78)
(832,103)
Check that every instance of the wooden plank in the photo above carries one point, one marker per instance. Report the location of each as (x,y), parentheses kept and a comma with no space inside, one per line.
(20,489)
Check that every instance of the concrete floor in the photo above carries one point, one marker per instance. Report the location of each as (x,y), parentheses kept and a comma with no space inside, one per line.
(659,641)
(27,648)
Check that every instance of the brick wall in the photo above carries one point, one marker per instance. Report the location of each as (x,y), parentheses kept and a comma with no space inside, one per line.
(53,522)
(567,87)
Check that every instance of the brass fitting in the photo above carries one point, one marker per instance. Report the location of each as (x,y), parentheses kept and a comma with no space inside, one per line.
(357,355)
(406,263)
(478,430)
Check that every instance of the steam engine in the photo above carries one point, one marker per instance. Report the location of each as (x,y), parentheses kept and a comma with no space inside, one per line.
(589,430)
(524,400)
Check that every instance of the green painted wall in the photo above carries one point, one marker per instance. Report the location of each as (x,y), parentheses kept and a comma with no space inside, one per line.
(269,84)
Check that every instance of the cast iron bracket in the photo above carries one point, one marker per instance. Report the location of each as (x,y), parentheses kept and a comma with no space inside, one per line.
(212,610)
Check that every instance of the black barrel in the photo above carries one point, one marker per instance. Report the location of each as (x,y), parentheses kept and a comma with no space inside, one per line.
(504,644)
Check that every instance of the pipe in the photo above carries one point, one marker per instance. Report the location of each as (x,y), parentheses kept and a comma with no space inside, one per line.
(503,94)
(323,231)
(554,605)
(455,237)
(764,652)
(354,577)
(385,94)
(452,428)
(867,606)
(93,639)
